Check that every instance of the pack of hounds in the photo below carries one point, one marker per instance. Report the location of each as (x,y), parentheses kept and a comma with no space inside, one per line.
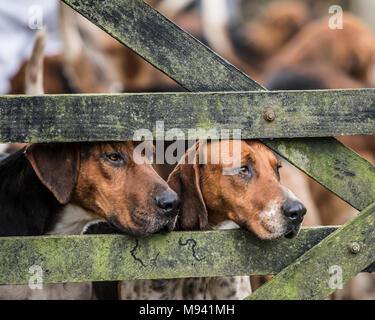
(99,188)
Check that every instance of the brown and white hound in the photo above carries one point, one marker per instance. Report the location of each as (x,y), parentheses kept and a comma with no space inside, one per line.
(251,196)
(57,188)
(105,179)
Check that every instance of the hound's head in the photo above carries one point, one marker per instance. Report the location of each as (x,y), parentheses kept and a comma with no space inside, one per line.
(239,184)
(108,182)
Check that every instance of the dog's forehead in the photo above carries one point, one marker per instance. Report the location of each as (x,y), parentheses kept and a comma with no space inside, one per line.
(215,152)
(227,152)
(262,153)
(97,148)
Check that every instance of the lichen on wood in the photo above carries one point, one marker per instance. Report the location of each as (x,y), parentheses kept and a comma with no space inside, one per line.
(58,118)
(175,255)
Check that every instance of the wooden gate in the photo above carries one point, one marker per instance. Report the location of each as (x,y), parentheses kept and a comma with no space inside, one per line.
(220,97)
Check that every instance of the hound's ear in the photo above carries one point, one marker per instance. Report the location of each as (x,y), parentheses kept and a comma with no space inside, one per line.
(184,180)
(56,165)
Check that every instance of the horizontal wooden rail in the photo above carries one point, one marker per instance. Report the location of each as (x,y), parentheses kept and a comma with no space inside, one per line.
(197,68)
(176,255)
(351,248)
(56,118)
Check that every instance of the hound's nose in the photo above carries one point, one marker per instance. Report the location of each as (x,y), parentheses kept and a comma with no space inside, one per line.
(169,202)
(294,211)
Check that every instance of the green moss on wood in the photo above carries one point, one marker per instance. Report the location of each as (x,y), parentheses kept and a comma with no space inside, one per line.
(176,255)
(116,117)
(335,166)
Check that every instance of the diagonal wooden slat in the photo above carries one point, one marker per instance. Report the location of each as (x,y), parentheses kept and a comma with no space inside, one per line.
(337,167)
(117,116)
(197,68)
(166,46)
(314,274)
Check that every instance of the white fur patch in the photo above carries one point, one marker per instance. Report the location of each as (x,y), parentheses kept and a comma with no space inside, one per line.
(3,147)
(173,7)
(215,12)
(71,220)
(290,195)
(272,220)
(226,225)
(219,288)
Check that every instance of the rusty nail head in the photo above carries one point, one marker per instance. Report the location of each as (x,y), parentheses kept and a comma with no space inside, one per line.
(354,247)
(269,115)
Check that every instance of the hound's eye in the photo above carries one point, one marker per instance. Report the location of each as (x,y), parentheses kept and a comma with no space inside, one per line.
(244,171)
(114,158)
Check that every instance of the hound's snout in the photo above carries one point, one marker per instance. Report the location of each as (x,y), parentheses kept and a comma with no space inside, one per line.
(168,202)
(294,211)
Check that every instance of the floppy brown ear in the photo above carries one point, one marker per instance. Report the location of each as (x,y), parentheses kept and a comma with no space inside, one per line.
(56,165)
(184,180)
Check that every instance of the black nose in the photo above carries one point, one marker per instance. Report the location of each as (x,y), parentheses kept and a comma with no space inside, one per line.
(294,211)
(169,202)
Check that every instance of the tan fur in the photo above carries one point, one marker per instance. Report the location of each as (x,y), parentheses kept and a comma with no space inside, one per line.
(350,50)
(262,38)
(93,62)
(121,193)
(297,181)
(228,196)
(277,23)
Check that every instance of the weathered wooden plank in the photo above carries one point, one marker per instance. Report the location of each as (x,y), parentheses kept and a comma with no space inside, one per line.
(175,255)
(336,167)
(309,277)
(190,63)
(116,117)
